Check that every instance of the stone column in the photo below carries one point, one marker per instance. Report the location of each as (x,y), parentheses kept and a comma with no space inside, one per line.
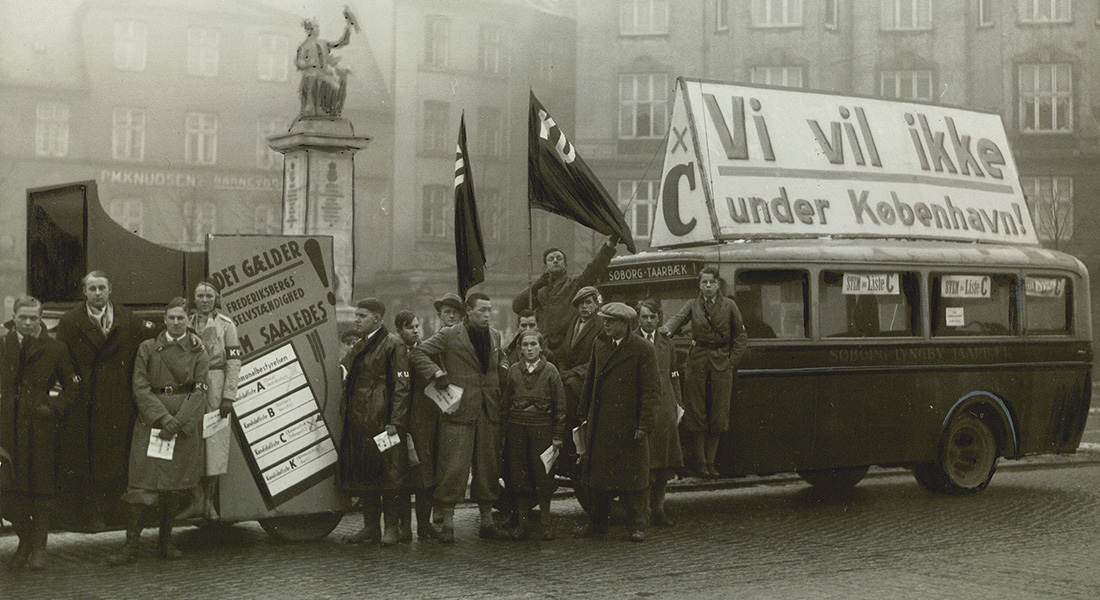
(319,188)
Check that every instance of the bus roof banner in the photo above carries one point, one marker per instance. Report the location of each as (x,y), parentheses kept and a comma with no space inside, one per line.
(746,162)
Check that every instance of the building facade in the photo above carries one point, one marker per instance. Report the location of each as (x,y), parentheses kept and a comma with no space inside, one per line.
(1034,62)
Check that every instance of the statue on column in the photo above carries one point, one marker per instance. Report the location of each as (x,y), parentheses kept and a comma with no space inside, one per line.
(324,85)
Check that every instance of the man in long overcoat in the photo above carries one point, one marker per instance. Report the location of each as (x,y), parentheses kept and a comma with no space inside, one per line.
(469,356)
(665,454)
(620,396)
(170,386)
(31,363)
(718,343)
(102,338)
(376,400)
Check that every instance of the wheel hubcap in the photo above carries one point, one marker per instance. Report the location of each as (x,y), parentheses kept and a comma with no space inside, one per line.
(970,455)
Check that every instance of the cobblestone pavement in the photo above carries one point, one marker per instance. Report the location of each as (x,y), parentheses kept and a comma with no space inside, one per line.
(1031,534)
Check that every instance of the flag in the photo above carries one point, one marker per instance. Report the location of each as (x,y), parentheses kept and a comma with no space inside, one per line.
(559,181)
(469,249)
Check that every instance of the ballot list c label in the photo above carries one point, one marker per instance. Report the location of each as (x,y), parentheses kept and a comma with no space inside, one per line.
(288,443)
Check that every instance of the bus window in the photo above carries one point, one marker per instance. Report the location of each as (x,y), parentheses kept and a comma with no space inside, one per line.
(1047,305)
(773,303)
(855,304)
(965,305)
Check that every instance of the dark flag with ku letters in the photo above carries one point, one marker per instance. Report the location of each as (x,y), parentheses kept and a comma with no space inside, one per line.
(469,249)
(559,181)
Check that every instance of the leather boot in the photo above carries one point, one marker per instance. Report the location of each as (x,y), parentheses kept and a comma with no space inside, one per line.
(447,524)
(40,530)
(546,522)
(489,530)
(370,533)
(129,551)
(657,514)
(391,518)
(165,547)
(523,520)
(404,518)
(21,524)
(424,527)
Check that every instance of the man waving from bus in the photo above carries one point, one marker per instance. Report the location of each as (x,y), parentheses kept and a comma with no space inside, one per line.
(718,342)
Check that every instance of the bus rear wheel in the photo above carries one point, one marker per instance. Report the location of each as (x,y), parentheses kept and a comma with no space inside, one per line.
(834,480)
(301,528)
(967,458)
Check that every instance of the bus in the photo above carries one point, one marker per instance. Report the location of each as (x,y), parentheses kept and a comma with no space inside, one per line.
(937,356)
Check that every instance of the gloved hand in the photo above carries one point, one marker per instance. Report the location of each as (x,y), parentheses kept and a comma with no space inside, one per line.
(225,408)
(663,330)
(557,443)
(44,411)
(169,427)
(442,382)
(639,435)
(391,430)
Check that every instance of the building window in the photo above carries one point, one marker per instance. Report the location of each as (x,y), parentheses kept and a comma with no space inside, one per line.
(201,141)
(202,51)
(906,85)
(127,213)
(206,219)
(1045,11)
(643,17)
(273,57)
(490,49)
(490,132)
(643,106)
(721,15)
(437,42)
(266,158)
(128,134)
(51,129)
(638,201)
(436,209)
(901,15)
(985,13)
(784,76)
(832,14)
(777,13)
(1046,98)
(266,219)
(1050,200)
(437,134)
(130,46)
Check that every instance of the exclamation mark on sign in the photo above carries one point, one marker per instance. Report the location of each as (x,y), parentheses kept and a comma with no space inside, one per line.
(313,251)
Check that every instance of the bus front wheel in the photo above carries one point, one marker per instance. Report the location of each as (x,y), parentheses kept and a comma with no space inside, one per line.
(301,528)
(834,480)
(967,458)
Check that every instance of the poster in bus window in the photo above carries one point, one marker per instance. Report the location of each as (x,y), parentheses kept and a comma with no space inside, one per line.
(871,284)
(965,286)
(1045,287)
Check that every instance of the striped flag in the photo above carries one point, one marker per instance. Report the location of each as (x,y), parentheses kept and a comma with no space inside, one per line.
(469,248)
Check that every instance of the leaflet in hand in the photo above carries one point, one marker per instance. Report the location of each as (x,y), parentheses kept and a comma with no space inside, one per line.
(212,422)
(385,441)
(578,437)
(446,399)
(159,448)
(548,457)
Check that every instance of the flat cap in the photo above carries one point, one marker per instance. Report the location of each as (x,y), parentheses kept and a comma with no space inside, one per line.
(449,299)
(618,310)
(585,292)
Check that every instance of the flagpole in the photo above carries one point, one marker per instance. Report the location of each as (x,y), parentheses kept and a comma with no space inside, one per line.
(530,258)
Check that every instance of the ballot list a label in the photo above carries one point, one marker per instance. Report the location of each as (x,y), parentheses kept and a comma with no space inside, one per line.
(280,423)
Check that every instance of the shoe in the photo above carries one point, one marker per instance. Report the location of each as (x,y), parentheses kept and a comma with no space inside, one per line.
(492,531)
(404,532)
(589,530)
(446,534)
(711,473)
(18,560)
(126,555)
(547,532)
(389,538)
(522,530)
(636,536)
(168,550)
(427,531)
(660,519)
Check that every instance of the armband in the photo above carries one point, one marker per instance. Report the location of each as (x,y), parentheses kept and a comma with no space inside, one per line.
(232,352)
(200,386)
